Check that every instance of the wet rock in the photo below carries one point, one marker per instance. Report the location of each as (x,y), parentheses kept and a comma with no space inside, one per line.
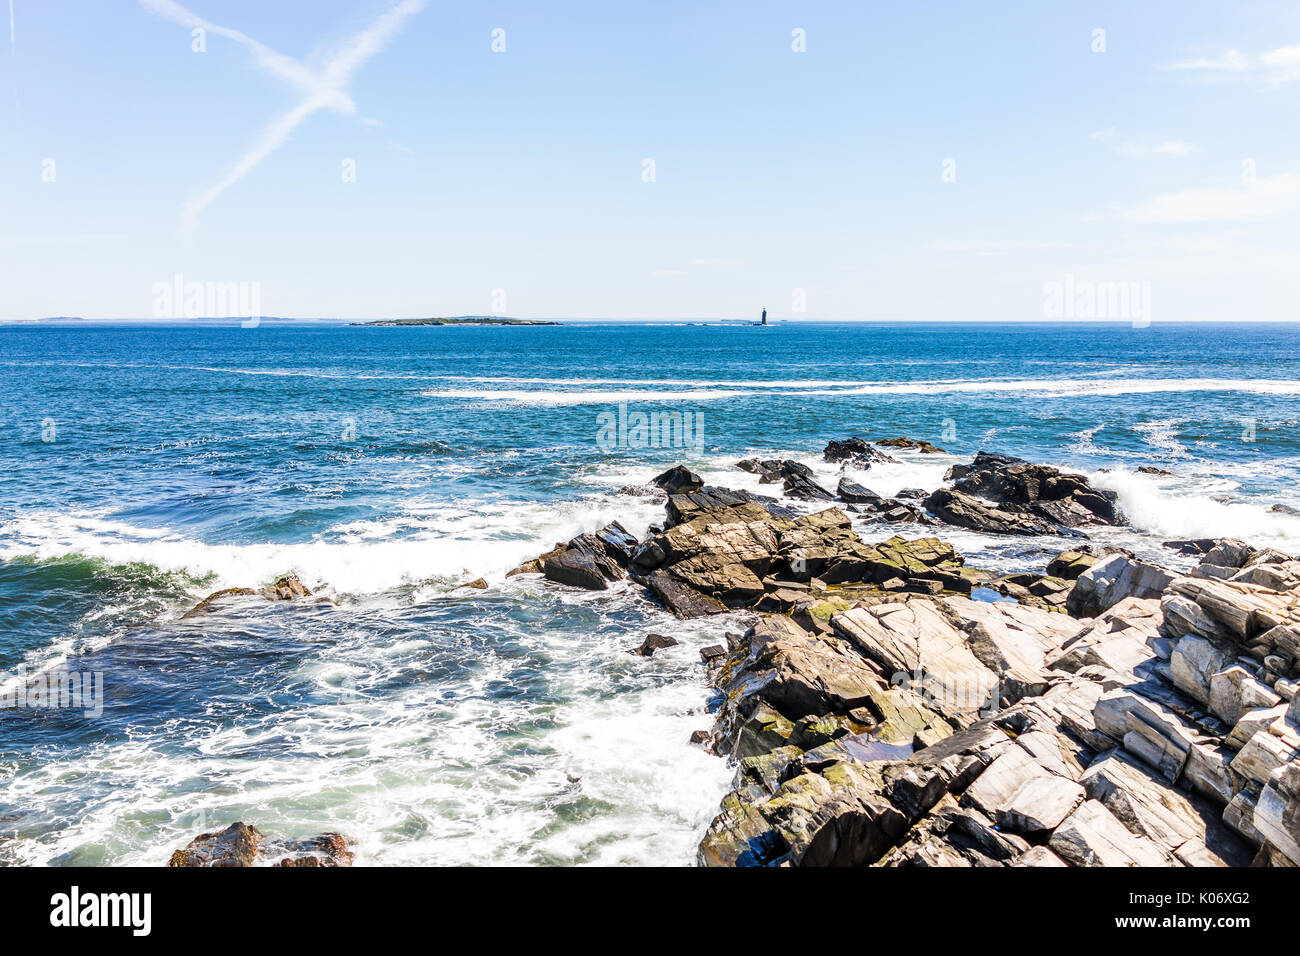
(679,597)
(581,569)
(854,493)
(652,643)
(678,480)
(1034,590)
(287,588)
(243,845)
(966,511)
(535,565)
(924,447)
(799,482)
(1058,497)
(768,470)
(713,655)
(478,584)
(855,451)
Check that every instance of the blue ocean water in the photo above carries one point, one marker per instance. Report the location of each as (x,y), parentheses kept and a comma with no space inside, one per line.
(146,466)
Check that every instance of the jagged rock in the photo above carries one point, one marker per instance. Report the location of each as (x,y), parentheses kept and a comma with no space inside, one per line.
(1277,812)
(1228,553)
(1189,829)
(768,470)
(1253,722)
(581,569)
(1035,590)
(652,643)
(713,654)
(535,565)
(243,845)
(798,482)
(478,584)
(1092,836)
(1039,804)
(1234,691)
(962,655)
(679,597)
(1111,580)
(966,511)
(1068,565)
(952,835)
(1039,856)
(678,480)
(1243,611)
(1120,639)
(1060,498)
(856,451)
(1263,754)
(924,447)
(1003,778)
(1194,662)
(683,507)
(854,493)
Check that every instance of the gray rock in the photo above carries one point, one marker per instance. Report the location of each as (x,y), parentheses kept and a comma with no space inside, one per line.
(1039,804)
(1092,836)
(1113,579)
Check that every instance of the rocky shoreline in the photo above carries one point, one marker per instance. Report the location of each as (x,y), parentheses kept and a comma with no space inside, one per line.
(890,705)
(1111,713)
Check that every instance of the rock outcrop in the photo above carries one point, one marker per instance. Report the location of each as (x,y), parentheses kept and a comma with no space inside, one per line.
(1058,498)
(1110,580)
(939,731)
(855,451)
(243,845)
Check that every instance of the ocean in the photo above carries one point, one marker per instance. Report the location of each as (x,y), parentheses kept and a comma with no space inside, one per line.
(147,466)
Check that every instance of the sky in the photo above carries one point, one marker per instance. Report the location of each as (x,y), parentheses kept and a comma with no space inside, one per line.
(822,160)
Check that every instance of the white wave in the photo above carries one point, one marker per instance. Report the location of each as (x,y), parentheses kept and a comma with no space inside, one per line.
(1189,507)
(1048,387)
(357,558)
(1161,436)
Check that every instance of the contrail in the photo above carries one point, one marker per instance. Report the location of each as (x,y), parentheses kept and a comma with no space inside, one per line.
(324,89)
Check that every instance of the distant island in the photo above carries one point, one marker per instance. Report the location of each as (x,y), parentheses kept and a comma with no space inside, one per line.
(460,320)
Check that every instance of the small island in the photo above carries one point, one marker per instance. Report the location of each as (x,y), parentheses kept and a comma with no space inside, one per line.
(460,320)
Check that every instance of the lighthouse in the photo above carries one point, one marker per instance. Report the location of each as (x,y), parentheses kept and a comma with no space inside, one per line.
(764,322)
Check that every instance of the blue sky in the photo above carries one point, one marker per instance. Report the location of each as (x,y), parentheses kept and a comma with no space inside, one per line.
(513,181)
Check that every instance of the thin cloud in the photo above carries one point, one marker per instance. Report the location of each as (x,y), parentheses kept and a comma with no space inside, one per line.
(1264,199)
(1176,148)
(324,88)
(1281,65)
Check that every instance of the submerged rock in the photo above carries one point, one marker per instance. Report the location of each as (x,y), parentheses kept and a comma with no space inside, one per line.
(287,588)
(924,447)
